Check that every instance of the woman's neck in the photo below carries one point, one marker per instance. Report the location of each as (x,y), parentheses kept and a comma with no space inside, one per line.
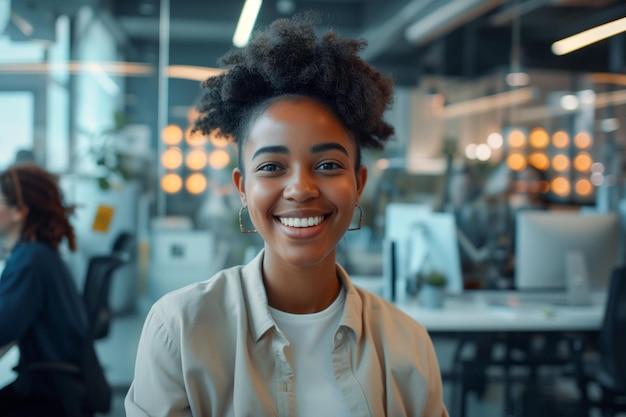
(301,290)
(9,241)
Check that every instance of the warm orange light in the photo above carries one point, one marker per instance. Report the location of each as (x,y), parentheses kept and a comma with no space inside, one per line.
(172,135)
(196,159)
(561,186)
(192,115)
(516,138)
(196,183)
(516,161)
(171,183)
(583,187)
(582,140)
(583,162)
(218,159)
(560,139)
(382,164)
(560,162)
(194,138)
(539,160)
(544,186)
(539,138)
(217,140)
(172,158)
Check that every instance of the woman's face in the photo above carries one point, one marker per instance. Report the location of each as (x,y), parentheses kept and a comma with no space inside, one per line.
(300,183)
(10,219)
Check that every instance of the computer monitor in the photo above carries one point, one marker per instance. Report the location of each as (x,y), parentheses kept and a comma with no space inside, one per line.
(419,233)
(547,240)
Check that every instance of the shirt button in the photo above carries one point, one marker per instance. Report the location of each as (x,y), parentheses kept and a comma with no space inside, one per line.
(339,336)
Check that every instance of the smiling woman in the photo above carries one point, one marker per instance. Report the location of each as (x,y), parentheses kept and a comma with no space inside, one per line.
(288,333)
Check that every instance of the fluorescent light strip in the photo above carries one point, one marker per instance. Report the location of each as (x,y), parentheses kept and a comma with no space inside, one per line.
(188,72)
(608,78)
(587,37)
(488,103)
(125,69)
(610,98)
(248,16)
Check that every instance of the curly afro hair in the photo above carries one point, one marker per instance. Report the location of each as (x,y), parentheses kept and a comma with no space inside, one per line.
(288,59)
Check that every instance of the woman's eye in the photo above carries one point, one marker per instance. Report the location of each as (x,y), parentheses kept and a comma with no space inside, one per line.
(328,166)
(269,168)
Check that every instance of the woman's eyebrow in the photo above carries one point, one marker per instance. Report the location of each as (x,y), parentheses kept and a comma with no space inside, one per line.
(271,149)
(322,147)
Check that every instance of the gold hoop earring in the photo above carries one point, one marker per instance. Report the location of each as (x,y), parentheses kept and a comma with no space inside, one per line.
(242,228)
(358,226)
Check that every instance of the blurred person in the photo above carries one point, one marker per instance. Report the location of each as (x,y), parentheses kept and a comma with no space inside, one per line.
(506,193)
(40,307)
(24,156)
(528,190)
(288,333)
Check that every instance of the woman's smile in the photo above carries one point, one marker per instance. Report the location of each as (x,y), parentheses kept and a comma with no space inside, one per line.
(301,222)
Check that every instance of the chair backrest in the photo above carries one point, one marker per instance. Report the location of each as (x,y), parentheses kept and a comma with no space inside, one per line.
(124,247)
(98,283)
(96,293)
(612,334)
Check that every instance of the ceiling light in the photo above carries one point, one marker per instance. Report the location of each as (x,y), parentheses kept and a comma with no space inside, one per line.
(189,72)
(495,140)
(489,103)
(587,37)
(517,79)
(248,16)
(569,102)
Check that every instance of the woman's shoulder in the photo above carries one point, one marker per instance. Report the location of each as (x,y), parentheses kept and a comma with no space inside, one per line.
(382,313)
(215,306)
(212,296)
(28,252)
(225,280)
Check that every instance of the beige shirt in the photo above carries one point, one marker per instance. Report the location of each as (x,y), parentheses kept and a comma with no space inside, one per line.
(213,349)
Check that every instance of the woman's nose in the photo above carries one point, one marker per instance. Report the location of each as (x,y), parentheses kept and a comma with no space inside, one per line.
(301,186)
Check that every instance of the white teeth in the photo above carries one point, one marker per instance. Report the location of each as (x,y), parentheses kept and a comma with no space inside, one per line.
(304,222)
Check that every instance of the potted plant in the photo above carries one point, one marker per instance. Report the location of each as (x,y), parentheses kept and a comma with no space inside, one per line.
(432,292)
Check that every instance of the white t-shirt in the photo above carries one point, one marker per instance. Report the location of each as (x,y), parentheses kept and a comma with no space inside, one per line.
(310,345)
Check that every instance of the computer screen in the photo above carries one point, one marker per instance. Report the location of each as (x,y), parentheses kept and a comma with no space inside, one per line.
(545,240)
(423,239)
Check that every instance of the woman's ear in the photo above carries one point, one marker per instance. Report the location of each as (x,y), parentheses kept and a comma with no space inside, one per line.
(239,184)
(19,214)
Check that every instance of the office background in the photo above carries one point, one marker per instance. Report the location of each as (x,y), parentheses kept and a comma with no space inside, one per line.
(101,93)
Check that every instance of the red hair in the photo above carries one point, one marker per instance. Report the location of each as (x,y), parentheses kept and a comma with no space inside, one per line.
(29,186)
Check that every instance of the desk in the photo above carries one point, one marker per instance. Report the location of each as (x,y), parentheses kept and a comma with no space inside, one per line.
(473,311)
(485,319)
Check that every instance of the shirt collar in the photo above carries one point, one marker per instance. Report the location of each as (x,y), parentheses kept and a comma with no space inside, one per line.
(353,310)
(259,314)
(256,298)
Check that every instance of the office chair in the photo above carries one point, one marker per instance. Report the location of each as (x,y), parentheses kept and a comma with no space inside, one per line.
(608,371)
(98,283)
